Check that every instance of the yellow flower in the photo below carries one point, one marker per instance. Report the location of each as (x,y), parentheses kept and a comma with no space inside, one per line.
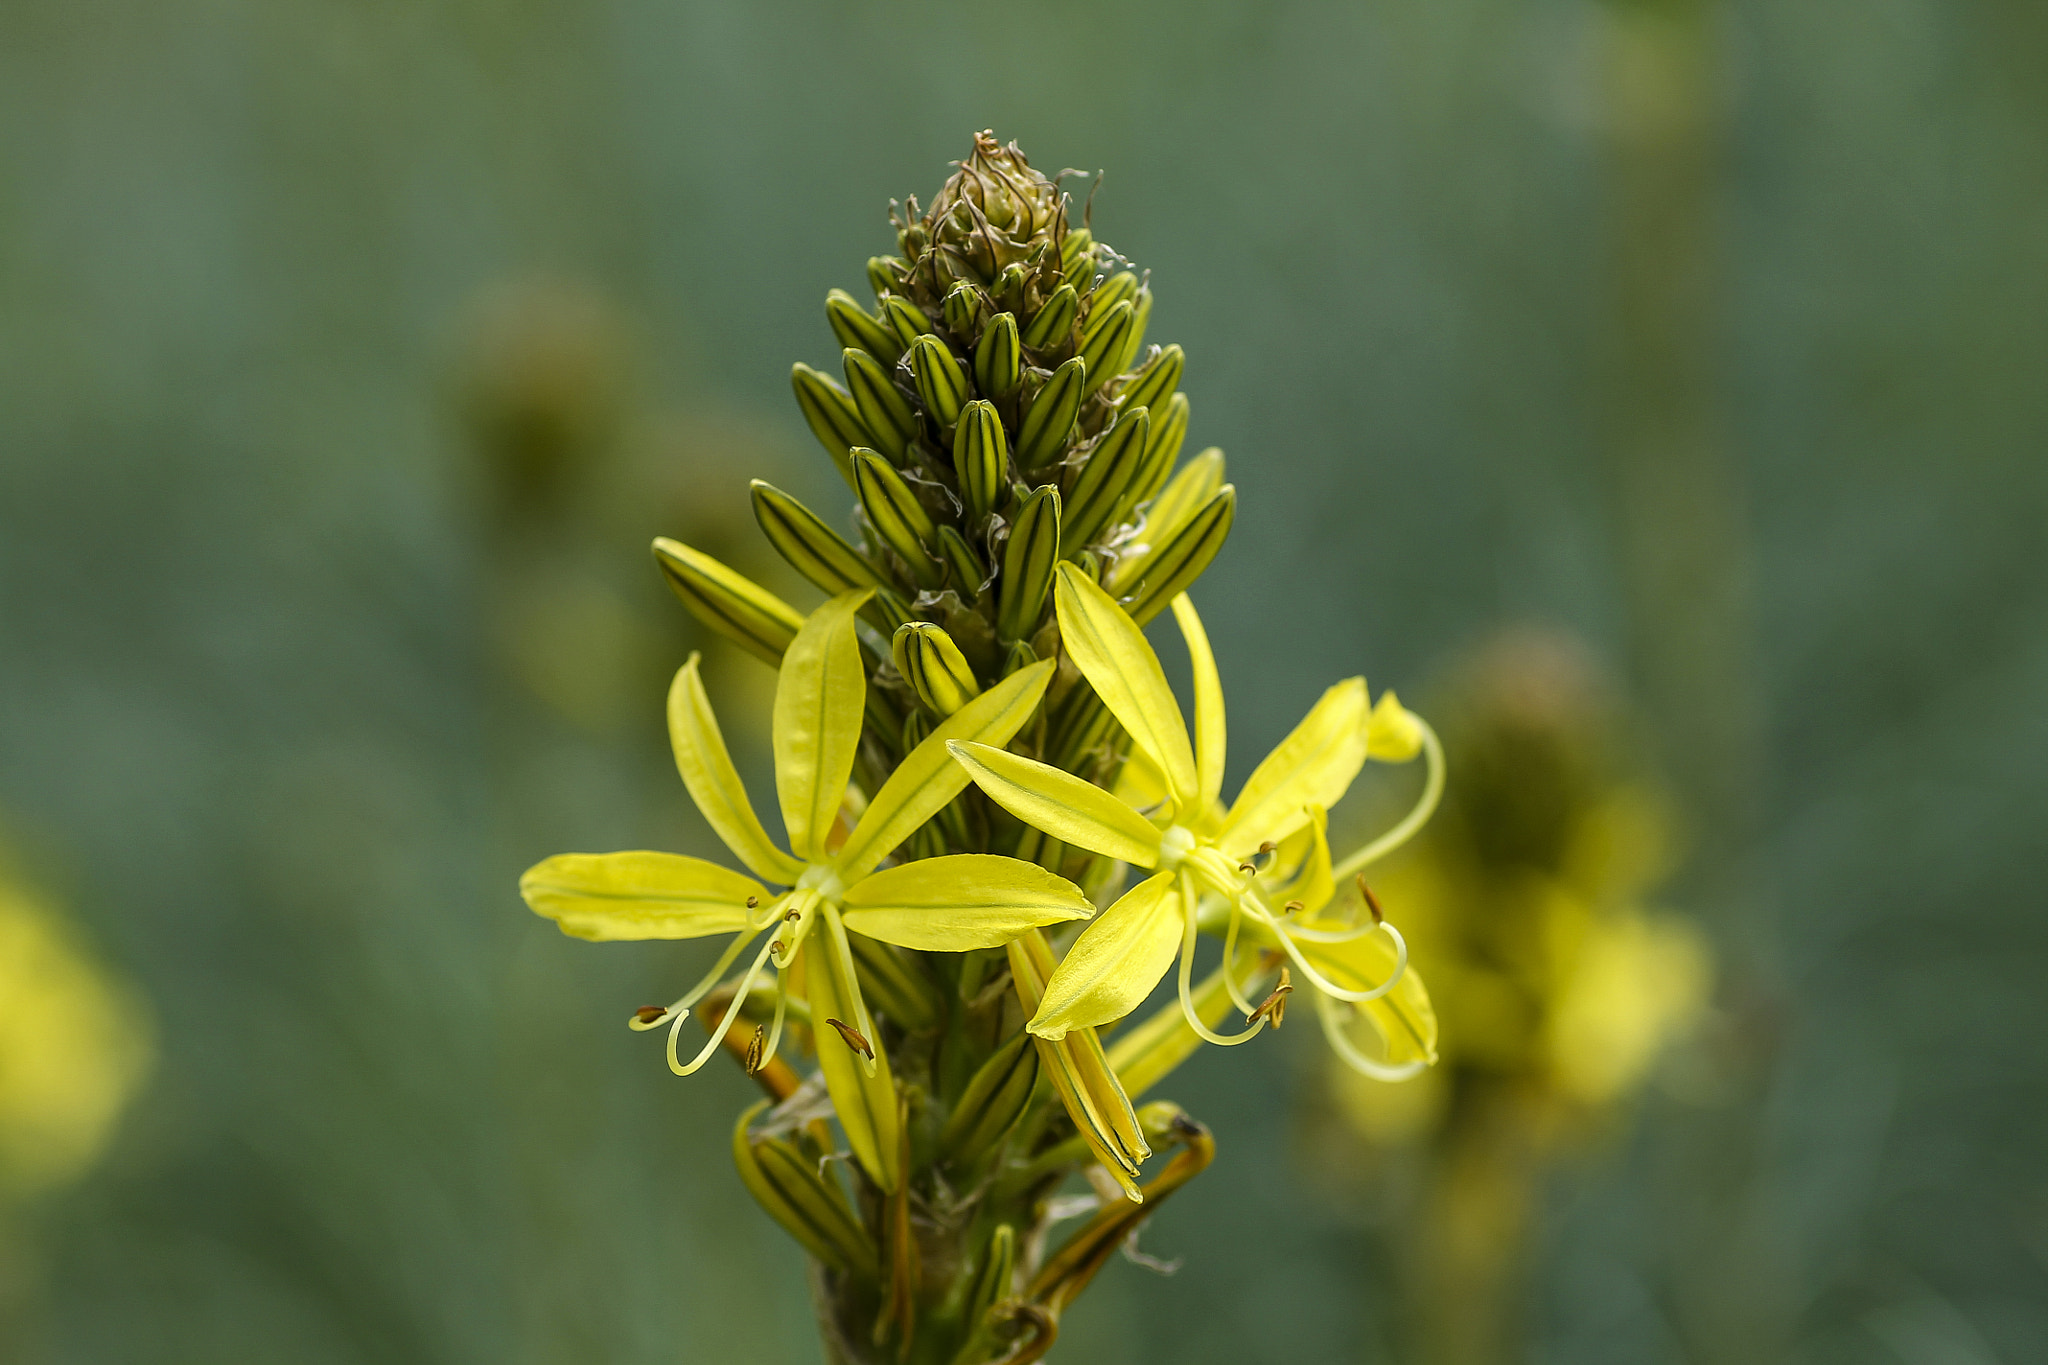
(1197,847)
(947,904)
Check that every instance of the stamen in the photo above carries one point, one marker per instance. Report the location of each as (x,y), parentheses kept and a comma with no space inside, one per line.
(1247,867)
(641,1020)
(648,1015)
(1415,819)
(1190,899)
(753,902)
(1294,907)
(1237,997)
(853,1038)
(1274,1008)
(732,1013)
(757,1051)
(1333,1029)
(1330,988)
(1371,901)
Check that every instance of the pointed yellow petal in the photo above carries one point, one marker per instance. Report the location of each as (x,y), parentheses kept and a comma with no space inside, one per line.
(1312,766)
(1061,804)
(713,782)
(1392,735)
(957,903)
(606,896)
(866,1105)
(1140,785)
(1313,885)
(1403,1017)
(1209,734)
(818,698)
(928,777)
(1111,651)
(1115,962)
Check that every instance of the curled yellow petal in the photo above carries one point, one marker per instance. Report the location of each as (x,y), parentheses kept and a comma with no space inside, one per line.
(962,902)
(1112,654)
(928,777)
(606,896)
(1061,804)
(1115,962)
(714,783)
(1403,1017)
(1392,735)
(1312,766)
(818,697)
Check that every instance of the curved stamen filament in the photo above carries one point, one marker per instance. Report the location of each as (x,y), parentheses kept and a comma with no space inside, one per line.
(1333,1029)
(1425,806)
(680,1010)
(732,1012)
(1189,899)
(1330,988)
(1237,995)
(775,1028)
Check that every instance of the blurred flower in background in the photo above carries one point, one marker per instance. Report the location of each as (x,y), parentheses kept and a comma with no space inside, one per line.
(75,1045)
(1557,980)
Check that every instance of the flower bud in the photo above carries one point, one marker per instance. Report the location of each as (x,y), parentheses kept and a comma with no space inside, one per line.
(896,515)
(812,548)
(855,328)
(941,384)
(727,602)
(934,667)
(1028,563)
(1102,341)
(1052,327)
(1152,386)
(830,412)
(1169,430)
(886,274)
(885,412)
(961,309)
(981,459)
(969,573)
(1105,483)
(1166,572)
(905,319)
(999,358)
(1051,418)
(789,1188)
(991,1104)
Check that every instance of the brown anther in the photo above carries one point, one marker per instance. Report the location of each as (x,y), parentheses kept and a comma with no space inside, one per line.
(792,914)
(1372,903)
(853,1038)
(1267,847)
(1273,1009)
(753,902)
(757,1051)
(1247,867)
(1294,907)
(647,1014)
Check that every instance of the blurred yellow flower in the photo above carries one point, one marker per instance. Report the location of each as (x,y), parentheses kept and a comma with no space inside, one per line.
(71,1054)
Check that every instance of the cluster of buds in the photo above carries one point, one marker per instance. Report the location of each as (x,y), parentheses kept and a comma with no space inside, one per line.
(974,748)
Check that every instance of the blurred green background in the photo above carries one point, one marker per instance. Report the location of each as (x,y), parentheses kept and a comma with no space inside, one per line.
(350,353)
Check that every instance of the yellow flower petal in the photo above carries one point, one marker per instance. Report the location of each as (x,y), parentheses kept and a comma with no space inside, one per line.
(1061,804)
(1312,885)
(606,896)
(1115,962)
(1312,766)
(1140,785)
(818,698)
(1403,1017)
(714,783)
(866,1105)
(957,903)
(928,777)
(1209,732)
(1392,736)
(1112,653)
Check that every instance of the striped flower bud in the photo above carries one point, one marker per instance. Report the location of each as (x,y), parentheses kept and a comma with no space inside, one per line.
(1103,492)
(1157,382)
(969,573)
(809,1208)
(905,319)
(941,384)
(812,548)
(830,413)
(934,667)
(990,1105)
(897,516)
(1169,430)
(1028,563)
(883,409)
(961,310)
(1052,327)
(730,603)
(854,327)
(1051,418)
(1103,341)
(886,274)
(1167,571)
(981,459)
(999,358)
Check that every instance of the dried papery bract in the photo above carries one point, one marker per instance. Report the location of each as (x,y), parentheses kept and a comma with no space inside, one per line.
(975,752)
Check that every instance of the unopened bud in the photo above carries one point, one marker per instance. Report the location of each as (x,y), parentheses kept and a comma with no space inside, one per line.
(940,381)
(1156,383)
(830,413)
(1166,573)
(1052,327)
(1051,418)
(999,357)
(934,667)
(811,547)
(981,459)
(885,274)
(855,327)
(905,319)
(1102,341)
(728,602)
(1106,479)
(896,515)
(883,410)
(961,309)
(1028,564)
